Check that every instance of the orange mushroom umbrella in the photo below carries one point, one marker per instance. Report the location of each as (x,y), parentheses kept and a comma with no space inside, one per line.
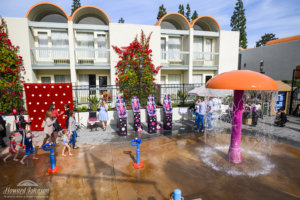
(239,81)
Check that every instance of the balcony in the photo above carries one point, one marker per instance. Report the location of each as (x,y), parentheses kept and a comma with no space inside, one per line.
(206,59)
(45,57)
(175,59)
(92,56)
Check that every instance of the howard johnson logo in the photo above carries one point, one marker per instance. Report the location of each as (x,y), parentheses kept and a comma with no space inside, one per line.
(26,189)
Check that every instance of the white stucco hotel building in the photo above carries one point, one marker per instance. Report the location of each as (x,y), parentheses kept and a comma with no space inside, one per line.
(78,48)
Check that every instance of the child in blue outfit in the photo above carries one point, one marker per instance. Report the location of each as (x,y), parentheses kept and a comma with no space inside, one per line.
(29,147)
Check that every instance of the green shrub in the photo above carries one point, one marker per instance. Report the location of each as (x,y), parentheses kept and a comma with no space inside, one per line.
(183,96)
(174,105)
(82,109)
(94,102)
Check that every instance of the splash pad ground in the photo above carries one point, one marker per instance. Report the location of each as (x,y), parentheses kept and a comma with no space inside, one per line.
(194,163)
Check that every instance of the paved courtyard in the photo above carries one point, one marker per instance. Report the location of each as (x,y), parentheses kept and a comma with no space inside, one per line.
(196,163)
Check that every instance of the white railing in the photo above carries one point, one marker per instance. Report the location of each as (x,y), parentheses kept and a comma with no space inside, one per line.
(205,58)
(175,57)
(44,55)
(92,56)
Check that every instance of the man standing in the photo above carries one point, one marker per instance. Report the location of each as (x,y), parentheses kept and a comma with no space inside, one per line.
(201,115)
(210,106)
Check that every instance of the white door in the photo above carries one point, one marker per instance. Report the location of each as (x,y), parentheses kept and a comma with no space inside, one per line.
(208,49)
(60,43)
(101,44)
(174,48)
(198,48)
(43,52)
(85,45)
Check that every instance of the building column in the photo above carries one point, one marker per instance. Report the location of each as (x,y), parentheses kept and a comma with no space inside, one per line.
(190,75)
(72,52)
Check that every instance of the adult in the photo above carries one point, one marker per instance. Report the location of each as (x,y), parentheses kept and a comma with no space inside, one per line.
(2,131)
(49,128)
(67,115)
(103,113)
(72,129)
(281,118)
(55,115)
(210,107)
(201,115)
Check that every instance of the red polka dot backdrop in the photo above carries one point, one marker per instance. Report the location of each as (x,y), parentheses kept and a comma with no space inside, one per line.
(39,96)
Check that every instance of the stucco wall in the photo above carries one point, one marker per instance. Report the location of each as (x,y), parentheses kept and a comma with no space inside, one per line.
(18,33)
(123,34)
(279,59)
(229,51)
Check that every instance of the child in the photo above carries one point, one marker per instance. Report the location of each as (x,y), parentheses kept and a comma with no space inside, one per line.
(29,147)
(65,139)
(12,149)
(72,129)
(22,128)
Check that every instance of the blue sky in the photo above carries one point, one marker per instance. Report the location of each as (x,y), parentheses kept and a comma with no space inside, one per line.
(281,17)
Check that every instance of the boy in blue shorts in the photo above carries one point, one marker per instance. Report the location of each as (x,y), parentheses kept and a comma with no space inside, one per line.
(29,147)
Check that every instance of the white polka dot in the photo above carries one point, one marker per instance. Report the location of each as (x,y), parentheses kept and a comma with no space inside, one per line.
(34,110)
(36,86)
(44,87)
(61,102)
(32,95)
(64,94)
(40,118)
(68,86)
(36,125)
(40,95)
(53,102)
(56,94)
(31,118)
(48,95)
(37,103)
(29,103)
(42,110)
(60,87)
(52,86)
(58,109)
(27,86)
(69,101)
(46,103)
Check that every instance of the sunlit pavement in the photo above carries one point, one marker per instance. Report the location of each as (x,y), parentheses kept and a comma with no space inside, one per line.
(195,163)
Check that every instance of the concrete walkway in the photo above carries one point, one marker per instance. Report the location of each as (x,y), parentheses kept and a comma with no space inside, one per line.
(290,134)
(196,163)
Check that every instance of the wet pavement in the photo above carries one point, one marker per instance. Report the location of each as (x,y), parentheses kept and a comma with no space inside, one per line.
(195,163)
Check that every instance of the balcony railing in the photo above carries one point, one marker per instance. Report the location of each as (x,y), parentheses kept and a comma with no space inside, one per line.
(45,55)
(91,56)
(175,57)
(206,58)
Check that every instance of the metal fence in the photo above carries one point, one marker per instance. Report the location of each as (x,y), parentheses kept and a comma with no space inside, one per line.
(88,96)
(178,92)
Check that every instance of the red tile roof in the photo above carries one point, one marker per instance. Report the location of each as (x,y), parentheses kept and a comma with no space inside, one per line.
(283,40)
